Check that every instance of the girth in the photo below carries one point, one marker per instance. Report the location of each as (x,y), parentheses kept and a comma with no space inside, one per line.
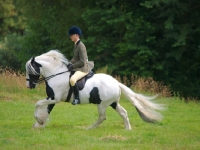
(80,83)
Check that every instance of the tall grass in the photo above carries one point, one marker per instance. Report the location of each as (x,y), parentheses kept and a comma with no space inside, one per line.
(138,84)
(66,128)
(13,86)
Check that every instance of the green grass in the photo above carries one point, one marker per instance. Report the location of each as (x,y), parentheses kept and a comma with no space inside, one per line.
(66,128)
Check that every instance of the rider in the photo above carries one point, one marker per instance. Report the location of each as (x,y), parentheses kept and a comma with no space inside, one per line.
(79,63)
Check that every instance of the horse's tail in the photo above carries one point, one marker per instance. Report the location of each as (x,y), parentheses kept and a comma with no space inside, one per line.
(144,105)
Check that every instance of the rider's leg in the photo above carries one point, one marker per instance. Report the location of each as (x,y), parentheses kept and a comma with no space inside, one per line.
(76,95)
(77,75)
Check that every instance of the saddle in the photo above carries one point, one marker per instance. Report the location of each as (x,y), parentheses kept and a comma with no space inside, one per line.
(80,83)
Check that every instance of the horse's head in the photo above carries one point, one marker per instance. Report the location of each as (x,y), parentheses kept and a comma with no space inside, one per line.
(51,63)
(32,73)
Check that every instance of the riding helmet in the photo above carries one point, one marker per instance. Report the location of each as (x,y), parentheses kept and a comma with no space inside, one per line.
(75,30)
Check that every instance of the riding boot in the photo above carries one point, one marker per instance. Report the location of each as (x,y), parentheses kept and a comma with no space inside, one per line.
(76,95)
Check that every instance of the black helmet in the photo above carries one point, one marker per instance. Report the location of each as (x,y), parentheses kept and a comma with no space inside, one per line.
(75,30)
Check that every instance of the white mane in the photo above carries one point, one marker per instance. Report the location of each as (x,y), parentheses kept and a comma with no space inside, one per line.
(56,54)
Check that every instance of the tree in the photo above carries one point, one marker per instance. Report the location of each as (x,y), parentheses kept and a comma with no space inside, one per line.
(105,22)
(157,38)
(11,20)
(48,23)
(177,33)
(148,38)
(12,26)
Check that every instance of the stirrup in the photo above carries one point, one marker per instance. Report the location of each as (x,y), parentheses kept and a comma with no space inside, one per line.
(75,102)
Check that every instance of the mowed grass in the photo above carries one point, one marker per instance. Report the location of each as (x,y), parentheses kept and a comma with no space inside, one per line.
(66,129)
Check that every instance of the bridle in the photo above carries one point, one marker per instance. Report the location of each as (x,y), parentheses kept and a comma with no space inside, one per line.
(47,78)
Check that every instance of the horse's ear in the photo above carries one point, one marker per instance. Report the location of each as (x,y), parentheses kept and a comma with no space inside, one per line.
(33,62)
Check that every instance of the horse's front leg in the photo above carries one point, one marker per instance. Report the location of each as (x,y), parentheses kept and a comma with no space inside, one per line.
(45,102)
(41,116)
(42,111)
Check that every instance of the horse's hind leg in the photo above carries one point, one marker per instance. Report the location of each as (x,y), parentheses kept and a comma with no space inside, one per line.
(102,116)
(123,113)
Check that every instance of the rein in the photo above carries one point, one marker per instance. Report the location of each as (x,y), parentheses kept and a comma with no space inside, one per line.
(47,78)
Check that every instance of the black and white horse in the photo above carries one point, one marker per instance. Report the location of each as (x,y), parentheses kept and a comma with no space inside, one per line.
(101,89)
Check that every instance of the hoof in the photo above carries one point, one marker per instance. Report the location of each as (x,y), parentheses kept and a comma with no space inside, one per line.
(75,102)
(36,125)
(40,121)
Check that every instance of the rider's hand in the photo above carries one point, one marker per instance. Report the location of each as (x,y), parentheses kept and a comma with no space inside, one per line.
(69,66)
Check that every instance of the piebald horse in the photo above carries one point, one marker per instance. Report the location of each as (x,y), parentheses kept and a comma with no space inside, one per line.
(101,89)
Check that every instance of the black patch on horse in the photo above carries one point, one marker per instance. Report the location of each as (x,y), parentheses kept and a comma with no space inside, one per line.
(49,92)
(50,107)
(114,105)
(94,96)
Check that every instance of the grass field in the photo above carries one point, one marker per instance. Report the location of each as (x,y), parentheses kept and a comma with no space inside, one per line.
(180,128)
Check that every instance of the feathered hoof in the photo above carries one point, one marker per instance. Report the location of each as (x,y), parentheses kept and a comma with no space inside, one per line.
(36,125)
(40,121)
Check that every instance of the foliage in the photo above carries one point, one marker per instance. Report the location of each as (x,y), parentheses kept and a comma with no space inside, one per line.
(48,23)
(147,38)
(177,46)
(106,32)
(11,20)
(151,39)
(10,52)
(104,70)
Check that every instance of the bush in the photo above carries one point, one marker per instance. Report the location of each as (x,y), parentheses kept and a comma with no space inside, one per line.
(10,51)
